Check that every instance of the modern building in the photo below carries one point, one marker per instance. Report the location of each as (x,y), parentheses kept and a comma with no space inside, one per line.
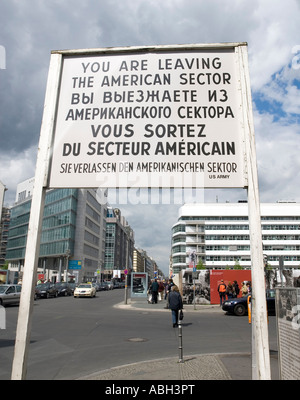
(4,221)
(4,226)
(73,233)
(119,245)
(218,235)
(143,263)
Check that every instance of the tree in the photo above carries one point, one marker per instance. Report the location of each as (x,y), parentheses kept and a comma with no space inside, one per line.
(5,266)
(237,265)
(200,265)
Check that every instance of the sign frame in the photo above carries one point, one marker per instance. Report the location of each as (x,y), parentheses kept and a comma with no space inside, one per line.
(260,346)
(208,154)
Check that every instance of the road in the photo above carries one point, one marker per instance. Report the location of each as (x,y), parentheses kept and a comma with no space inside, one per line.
(72,338)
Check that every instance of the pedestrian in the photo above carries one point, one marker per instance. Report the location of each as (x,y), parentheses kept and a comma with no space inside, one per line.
(249,287)
(154,290)
(230,290)
(175,304)
(236,289)
(168,288)
(244,289)
(222,291)
(161,289)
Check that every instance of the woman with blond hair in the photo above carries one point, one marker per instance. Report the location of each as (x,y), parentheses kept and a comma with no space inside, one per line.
(175,304)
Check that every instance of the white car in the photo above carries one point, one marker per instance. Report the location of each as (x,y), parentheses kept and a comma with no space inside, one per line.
(109,284)
(85,290)
(10,294)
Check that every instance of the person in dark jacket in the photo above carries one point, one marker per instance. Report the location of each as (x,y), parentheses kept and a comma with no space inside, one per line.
(175,304)
(154,290)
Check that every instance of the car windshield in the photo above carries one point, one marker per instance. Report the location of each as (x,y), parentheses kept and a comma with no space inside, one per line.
(3,288)
(42,286)
(84,285)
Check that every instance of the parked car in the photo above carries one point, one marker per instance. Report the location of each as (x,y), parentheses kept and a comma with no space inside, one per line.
(109,284)
(63,289)
(72,286)
(103,286)
(46,290)
(96,286)
(238,306)
(119,284)
(85,290)
(10,294)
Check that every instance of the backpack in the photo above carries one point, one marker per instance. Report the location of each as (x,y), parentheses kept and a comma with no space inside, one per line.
(222,288)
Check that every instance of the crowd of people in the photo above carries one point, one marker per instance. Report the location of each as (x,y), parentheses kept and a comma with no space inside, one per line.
(232,290)
(167,290)
(159,289)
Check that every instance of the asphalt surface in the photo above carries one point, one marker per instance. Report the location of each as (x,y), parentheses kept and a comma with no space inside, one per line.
(216,366)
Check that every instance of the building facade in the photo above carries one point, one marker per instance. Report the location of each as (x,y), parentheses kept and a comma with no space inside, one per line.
(143,263)
(72,237)
(4,226)
(218,235)
(119,245)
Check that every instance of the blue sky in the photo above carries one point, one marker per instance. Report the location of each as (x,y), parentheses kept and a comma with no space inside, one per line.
(30,29)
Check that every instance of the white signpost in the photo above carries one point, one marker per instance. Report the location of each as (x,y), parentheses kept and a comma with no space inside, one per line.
(147,117)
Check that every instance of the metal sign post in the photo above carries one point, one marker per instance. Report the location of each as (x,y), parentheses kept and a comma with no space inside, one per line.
(260,338)
(19,366)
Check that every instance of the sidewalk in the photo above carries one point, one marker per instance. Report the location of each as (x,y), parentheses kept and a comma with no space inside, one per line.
(221,366)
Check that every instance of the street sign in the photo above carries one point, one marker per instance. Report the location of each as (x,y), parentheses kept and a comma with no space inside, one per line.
(74,264)
(163,116)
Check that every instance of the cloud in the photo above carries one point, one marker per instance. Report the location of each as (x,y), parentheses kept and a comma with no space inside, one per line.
(278,163)
(19,166)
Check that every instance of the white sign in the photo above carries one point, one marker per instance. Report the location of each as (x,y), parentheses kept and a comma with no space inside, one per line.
(150,119)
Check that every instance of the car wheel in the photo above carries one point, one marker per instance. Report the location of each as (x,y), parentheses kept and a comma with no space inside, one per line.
(240,310)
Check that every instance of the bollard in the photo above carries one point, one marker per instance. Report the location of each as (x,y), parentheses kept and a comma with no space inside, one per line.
(180,341)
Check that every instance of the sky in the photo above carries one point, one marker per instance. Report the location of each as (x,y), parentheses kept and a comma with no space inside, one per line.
(30,29)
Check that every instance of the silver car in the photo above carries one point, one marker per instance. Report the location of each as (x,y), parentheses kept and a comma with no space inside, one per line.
(10,294)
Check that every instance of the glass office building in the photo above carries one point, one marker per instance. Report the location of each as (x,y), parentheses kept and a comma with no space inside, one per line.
(119,245)
(73,234)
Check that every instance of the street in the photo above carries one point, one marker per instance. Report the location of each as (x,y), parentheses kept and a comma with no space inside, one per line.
(72,338)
